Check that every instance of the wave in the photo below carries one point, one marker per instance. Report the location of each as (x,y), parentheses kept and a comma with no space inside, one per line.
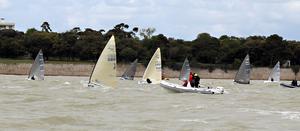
(12,87)
(60,120)
(291,115)
(193,120)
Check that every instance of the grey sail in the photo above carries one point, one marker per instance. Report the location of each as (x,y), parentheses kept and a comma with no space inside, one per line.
(243,75)
(185,70)
(130,72)
(37,69)
(275,74)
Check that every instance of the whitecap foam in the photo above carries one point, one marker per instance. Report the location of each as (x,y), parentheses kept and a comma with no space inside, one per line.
(194,120)
(176,106)
(291,115)
(54,88)
(13,87)
(67,83)
(198,107)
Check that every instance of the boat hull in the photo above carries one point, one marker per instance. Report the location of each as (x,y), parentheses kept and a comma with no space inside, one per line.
(271,82)
(288,85)
(96,85)
(144,82)
(239,82)
(126,78)
(181,89)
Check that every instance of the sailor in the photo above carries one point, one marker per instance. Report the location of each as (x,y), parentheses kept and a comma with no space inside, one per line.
(197,80)
(191,77)
(149,81)
(294,83)
(185,83)
(192,80)
(272,79)
(32,78)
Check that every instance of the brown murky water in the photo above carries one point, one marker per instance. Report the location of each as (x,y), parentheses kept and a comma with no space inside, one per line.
(62,103)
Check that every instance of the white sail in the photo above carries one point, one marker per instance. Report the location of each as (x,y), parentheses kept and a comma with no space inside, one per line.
(130,72)
(37,71)
(243,75)
(275,74)
(104,72)
(185,70)
(153,70)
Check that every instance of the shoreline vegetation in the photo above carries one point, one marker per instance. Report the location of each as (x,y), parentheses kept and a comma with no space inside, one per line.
(85,69)
(76,51)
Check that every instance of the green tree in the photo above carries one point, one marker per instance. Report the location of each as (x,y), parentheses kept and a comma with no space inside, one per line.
(46,27)
(147,33)
(41,40)
(206,48)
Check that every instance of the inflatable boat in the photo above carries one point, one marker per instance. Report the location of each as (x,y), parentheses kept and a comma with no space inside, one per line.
(181,89)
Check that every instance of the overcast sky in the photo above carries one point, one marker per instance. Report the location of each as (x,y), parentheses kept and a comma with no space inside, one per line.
(182,19)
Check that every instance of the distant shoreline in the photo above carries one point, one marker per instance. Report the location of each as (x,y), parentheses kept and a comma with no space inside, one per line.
(85,69)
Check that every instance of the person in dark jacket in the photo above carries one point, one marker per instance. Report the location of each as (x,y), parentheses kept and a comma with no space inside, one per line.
(192,81)
(197,80)
(294,83)
(32,78)
(185,82)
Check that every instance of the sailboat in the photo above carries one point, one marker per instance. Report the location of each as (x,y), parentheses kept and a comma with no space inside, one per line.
(185,70)
(243,75)
(275,74)
(37,71)
(104,72)
(130,72)
(153,74)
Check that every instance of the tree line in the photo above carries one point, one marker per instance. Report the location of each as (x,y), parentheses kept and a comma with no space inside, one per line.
(204,51)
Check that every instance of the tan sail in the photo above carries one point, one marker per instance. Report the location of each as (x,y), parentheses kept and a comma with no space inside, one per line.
(104,72)
(153,70)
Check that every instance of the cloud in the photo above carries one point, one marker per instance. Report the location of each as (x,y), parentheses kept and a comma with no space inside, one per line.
(4,4)
(174,18)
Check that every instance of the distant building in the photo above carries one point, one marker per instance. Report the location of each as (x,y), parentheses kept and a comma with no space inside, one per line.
(6,25)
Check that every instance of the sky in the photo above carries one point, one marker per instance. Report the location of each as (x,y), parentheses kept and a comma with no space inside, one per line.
(181,19)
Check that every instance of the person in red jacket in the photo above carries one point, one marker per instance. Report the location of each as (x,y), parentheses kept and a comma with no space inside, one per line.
(189,80)
(191,77)
(192,81)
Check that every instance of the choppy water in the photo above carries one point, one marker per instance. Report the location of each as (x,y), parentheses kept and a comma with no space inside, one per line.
(62,103)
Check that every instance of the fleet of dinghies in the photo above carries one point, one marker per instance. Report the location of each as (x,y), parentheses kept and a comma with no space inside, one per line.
(37,69)
(104,73)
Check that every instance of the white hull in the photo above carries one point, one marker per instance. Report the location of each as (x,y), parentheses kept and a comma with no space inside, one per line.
(97,85)
(277,82)
(142,82)
(181,89)
(288,85)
